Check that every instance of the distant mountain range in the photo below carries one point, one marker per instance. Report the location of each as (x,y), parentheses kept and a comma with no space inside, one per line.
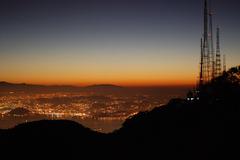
(6,86)
(103,87)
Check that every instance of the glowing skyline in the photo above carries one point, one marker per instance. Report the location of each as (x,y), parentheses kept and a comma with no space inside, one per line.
(130,43)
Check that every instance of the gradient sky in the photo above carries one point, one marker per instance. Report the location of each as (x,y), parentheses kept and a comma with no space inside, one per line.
(124,42)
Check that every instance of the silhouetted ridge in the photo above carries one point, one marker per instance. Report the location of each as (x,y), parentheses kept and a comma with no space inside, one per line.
(223,88)
(23,87)
(104,86)
(45,139)
(53,126)
(15,87)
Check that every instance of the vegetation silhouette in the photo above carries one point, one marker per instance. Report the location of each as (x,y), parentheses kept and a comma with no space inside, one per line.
(201,129)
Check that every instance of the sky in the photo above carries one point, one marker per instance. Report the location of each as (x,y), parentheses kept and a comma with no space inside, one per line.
(123,42)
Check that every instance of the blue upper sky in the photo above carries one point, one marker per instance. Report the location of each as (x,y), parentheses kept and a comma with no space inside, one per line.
(84,33)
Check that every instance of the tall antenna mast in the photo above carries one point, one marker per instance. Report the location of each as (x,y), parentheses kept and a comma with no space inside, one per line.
(211,47)
(224,63)
(218,54)
(201,66)
(205,48)
(211,63)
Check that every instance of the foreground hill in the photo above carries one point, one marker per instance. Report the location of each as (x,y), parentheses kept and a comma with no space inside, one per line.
(196,130)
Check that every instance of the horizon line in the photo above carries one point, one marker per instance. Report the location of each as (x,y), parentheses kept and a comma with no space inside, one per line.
(102,84)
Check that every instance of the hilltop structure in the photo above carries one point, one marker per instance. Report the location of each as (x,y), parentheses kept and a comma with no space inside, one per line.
(210,64)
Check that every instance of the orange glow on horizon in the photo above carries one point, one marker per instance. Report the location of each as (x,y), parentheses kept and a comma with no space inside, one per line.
(131,82)
(141,70)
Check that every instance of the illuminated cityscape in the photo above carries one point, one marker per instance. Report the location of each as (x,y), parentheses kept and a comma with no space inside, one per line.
(18,107)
